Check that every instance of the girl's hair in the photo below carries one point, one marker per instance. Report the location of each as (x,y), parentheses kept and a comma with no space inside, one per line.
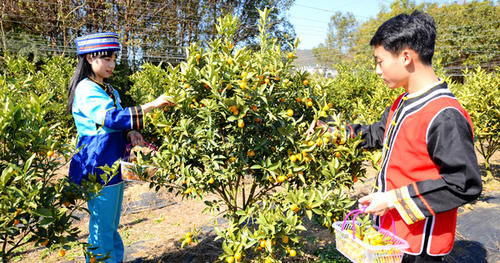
(83,70)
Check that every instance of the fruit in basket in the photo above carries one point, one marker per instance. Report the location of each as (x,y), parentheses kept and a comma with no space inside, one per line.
(139,163)
(151,171)
(369,244)
(128,175)
(370,236)
(146,153)
(358,231)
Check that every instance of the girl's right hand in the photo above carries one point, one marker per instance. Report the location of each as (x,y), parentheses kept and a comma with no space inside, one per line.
(163,100)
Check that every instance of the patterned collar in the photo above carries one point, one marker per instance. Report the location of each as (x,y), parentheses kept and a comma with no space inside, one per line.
(107,88)
(425,89)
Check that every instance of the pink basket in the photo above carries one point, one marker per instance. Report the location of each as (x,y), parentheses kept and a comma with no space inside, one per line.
(131,171)
(358,251)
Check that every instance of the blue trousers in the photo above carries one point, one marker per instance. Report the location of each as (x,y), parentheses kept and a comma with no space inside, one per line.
(104,221)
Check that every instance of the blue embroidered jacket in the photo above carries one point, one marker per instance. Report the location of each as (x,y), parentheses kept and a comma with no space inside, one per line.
(100,121)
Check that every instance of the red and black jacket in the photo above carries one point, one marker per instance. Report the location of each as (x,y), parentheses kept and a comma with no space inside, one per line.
(429,166)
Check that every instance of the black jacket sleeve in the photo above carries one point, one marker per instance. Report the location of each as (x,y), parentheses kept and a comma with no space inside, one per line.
(451,146)
(372,135)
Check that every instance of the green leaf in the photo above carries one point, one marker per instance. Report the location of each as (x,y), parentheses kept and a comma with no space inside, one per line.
(226,248)
(6,175)
(300,227)
(302,179)
(241,213)
(275,166)
(232,118)
(28,163)
(43,212)
(309,214)
(317,211)
(242,220)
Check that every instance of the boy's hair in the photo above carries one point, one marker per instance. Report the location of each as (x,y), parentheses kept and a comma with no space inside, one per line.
(416,31)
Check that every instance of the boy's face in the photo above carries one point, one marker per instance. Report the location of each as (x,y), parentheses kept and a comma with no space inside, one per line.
(391,68)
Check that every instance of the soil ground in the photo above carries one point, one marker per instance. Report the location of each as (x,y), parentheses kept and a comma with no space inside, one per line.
(152,224)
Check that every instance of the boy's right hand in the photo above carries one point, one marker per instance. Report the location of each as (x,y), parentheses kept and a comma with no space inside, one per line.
(317,123)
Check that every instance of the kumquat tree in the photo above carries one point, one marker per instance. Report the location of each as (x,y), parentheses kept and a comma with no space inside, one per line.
(37,205)
(238,130)
(481,97)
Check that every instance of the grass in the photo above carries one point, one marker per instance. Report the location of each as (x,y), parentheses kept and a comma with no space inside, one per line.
(330,254)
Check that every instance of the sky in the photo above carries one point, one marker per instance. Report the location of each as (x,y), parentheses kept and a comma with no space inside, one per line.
(310,17)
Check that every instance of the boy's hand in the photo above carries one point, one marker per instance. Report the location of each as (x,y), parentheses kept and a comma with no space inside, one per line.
(376,203)
(315,124)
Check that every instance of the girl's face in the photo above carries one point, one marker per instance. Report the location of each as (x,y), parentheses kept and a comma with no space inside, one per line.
(102,66)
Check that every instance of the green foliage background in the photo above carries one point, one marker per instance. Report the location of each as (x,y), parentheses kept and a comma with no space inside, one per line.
(467,34)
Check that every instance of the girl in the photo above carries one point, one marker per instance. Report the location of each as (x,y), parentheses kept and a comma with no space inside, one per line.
(104,127)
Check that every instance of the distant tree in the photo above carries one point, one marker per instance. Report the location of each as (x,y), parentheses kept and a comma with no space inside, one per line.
(340,39)
(468,34)
(279,26)
(149,30)
(362,49)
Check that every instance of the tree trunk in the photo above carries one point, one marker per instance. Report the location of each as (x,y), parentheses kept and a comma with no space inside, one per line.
(4,41)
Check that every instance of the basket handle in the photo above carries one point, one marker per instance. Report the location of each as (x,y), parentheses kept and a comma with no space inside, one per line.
(382,219)
(129,147)
(356,212)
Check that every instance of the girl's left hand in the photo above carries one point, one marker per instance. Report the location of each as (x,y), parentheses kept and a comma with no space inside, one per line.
(135,138)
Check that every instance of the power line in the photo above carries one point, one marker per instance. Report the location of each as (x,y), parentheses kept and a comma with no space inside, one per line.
(137,13)
(149,31)
(334,11)
(19,37)
(215,4)
(132,10)
(323,10)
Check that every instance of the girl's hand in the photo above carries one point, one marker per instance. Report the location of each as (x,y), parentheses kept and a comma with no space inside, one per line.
(376,203)
(163,100)
(135,138)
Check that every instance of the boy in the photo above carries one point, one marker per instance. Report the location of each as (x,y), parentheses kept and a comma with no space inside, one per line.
(429,167)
